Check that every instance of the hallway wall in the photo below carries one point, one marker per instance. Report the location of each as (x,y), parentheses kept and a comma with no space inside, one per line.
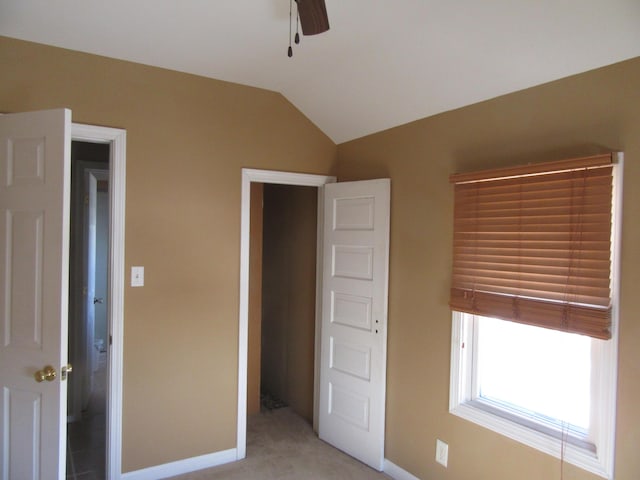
(289,293)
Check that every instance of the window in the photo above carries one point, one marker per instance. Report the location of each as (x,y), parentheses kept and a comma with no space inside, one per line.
(534,337)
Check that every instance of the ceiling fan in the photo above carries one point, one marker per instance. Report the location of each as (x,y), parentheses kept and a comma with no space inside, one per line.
(311,15)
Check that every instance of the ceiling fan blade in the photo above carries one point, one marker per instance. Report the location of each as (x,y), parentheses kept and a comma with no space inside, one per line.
(313,16)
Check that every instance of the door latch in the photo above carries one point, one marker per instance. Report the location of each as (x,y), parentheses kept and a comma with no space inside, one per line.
(66,370)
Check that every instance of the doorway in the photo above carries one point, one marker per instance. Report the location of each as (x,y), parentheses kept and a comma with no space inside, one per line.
(88,316)
(351,311)
(282,299)
(115,140)
(249,177)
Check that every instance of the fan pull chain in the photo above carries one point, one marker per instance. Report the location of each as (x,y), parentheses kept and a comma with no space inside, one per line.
(297,37)
(290,50)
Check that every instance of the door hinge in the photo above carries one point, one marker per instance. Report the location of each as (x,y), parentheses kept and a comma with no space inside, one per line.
(86,199)
(84,291)
(110,340)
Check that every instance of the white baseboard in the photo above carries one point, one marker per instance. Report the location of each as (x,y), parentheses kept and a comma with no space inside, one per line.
(219,458)
(396,472)
(182,466)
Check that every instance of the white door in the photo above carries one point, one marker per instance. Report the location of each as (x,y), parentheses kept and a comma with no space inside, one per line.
(91,202)
(34,248)
(354,318)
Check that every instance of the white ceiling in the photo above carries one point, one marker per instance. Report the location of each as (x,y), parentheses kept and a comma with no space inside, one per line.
(383,63)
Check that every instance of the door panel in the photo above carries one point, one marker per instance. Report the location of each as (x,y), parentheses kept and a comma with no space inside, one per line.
(24,244)
(34,246)
(351,310)
(354,306)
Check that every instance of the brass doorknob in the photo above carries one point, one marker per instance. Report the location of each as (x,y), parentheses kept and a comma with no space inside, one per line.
(48,373)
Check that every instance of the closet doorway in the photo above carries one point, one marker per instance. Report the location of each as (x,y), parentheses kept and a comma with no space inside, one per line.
(282,293)
(88,313)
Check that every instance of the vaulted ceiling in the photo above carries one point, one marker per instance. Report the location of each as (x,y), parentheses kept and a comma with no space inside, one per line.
(383,63)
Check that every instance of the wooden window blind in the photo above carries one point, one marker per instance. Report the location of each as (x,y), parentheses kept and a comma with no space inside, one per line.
(533,244)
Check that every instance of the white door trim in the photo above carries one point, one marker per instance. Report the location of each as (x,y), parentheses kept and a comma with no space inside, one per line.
(283,178)
(117,184)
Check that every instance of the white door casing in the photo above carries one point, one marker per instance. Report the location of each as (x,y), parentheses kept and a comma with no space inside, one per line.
(354,318)
(34,251)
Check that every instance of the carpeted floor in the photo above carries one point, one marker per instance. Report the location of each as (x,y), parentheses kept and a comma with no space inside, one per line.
(282,446)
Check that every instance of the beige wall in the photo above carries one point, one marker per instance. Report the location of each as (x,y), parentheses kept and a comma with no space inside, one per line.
(289,293)
(575,116)
(187,139)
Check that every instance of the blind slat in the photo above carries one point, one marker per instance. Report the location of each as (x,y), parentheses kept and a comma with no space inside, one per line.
(536,255)
(590,321)
(578,295)
(507,278)
(593,161)
(530,189)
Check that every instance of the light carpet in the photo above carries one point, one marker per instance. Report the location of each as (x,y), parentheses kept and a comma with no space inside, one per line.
(281,445)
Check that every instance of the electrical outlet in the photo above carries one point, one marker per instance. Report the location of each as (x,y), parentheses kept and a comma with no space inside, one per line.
(442,452)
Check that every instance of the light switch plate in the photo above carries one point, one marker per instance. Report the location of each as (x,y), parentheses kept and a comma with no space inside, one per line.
(137,276)
(442,453)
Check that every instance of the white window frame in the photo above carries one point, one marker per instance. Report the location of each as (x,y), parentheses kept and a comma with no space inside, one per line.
(602,431)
